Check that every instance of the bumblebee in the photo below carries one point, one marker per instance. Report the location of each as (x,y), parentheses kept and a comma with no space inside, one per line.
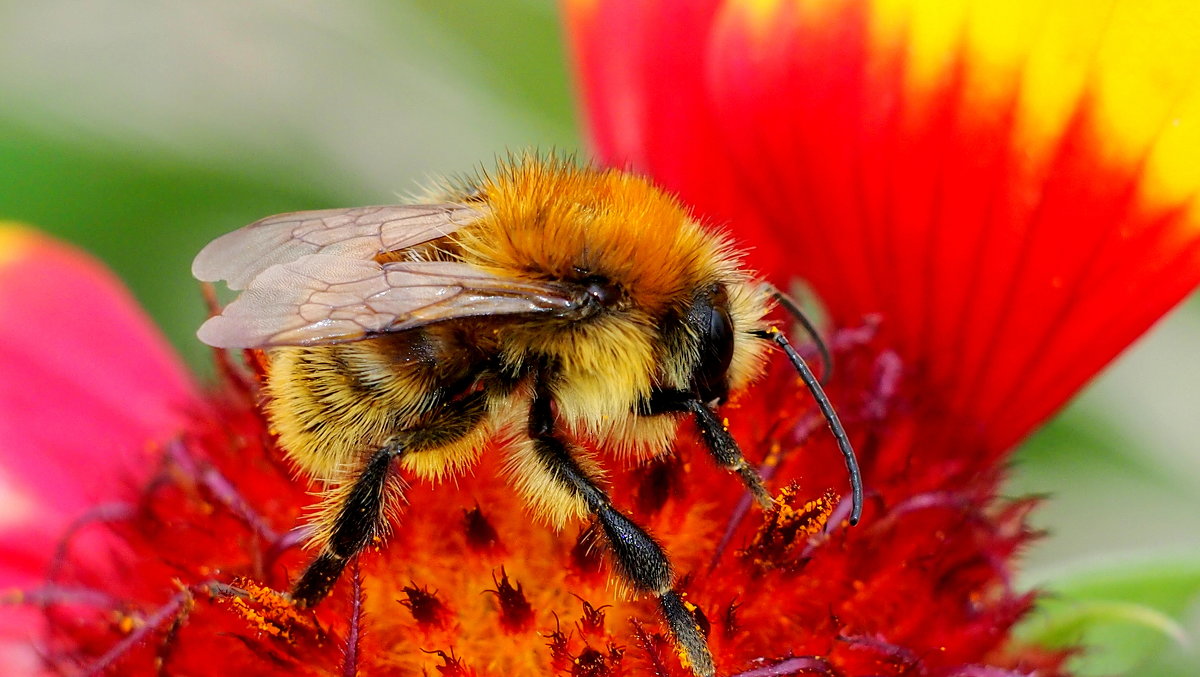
(543,304)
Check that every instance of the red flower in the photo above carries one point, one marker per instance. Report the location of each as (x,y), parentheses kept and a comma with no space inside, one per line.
(978,259)
(193,551)
(1008,185)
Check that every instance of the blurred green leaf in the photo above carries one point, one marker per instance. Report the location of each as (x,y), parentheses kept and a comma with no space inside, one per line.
(1114,493)
(1123,615)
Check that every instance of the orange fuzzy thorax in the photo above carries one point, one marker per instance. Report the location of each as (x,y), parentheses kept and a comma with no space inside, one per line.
(552,219)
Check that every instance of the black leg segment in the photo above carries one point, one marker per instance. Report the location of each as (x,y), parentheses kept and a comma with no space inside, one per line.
(687,632)
(318,579)
(359,520)
(721,445)
(639,559)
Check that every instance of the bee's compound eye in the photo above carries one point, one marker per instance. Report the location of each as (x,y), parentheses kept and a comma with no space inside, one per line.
(604,290)
(715,329)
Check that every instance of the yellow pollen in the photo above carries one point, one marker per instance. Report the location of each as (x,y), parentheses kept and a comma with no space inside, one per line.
(128,624)
(274,613)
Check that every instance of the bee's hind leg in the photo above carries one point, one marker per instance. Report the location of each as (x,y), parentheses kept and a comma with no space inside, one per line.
(354,514)
(358,517)
(639,559)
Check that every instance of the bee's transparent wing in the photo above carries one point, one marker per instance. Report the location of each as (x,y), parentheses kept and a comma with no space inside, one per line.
(358,233)
(323,299)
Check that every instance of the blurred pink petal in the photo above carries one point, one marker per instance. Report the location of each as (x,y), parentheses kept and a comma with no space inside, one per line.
(85,383)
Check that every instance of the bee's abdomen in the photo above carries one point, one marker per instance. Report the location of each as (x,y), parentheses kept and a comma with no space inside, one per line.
(333,405)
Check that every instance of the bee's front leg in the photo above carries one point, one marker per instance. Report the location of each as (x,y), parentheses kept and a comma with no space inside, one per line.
(639,559)
(721,445)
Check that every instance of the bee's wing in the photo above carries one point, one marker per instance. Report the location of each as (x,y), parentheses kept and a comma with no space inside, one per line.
(359,233)
(322,299)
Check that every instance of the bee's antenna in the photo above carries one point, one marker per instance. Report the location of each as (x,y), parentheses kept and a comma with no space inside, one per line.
(793,309)
(835,426)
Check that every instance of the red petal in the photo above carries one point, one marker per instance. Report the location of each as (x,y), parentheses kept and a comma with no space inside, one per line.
(1005,183)
(645,102)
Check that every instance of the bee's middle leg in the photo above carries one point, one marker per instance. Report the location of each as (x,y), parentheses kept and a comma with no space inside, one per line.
(640,560)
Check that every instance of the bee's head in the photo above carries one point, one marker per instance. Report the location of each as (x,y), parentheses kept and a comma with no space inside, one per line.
(710,347)
(709,321)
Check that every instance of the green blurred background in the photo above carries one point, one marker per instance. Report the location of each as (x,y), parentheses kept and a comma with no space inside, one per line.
(142,130)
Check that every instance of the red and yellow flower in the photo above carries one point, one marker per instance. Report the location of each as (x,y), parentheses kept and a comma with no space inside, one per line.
(991,199)
(1009,185)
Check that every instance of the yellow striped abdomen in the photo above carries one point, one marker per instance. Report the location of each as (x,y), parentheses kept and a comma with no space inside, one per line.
(333,406)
